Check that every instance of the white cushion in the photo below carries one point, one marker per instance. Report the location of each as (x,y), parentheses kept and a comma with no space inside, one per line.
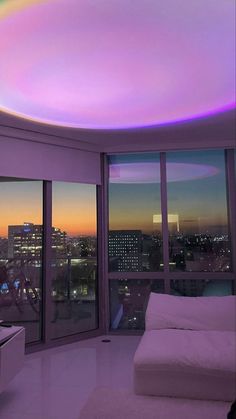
(183,363)
(193,313)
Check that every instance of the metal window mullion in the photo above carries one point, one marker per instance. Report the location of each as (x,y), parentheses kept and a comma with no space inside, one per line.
(231,206)
(164,214)
(103,284)
(47,262)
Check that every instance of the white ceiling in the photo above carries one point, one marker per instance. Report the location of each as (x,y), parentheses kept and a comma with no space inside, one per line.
(111,64)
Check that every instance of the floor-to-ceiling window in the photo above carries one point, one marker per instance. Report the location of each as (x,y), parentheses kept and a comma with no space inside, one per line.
(170,229)
(74,259)
(21,231)
(66,217)
(135,229)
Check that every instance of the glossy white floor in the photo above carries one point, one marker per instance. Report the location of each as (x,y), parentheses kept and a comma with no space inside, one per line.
(56,383)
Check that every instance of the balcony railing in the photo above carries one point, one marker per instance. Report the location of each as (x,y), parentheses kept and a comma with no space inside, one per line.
(72,279)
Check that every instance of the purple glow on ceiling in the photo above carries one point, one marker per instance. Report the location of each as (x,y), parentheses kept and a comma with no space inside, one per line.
(150,172)
(116,64)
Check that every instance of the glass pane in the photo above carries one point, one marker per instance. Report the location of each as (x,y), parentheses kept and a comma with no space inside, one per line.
(128,301)
(21,254)
(135,231)
(197,212)
(201,287)
(74,265)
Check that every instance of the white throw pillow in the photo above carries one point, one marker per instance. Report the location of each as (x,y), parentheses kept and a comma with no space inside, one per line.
(193,313)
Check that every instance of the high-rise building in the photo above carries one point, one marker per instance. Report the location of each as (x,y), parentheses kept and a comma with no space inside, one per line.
(125,250)
(26,241)
(59,242)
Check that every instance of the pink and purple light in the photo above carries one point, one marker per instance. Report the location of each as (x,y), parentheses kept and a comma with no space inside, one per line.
(116,64)
(149,172)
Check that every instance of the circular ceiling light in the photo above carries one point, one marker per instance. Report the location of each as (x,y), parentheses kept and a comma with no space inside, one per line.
(149,172)
(116,64)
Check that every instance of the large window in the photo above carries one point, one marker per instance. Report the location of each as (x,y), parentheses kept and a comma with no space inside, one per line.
(74,259)
(21,234)
(66,271)
(135,230)
(170,230)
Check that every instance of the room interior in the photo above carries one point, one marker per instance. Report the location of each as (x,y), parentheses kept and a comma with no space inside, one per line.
(118,188)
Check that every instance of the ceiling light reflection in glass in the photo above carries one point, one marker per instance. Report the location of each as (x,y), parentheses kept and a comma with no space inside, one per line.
(149,172)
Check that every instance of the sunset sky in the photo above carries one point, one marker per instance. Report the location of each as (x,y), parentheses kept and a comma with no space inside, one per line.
(74,206)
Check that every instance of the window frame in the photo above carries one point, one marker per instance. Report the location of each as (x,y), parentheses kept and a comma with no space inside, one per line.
(168,275)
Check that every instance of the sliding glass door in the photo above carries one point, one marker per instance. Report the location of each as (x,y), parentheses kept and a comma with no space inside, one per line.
(70,282)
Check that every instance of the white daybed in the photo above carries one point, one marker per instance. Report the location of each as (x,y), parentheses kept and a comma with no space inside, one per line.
(188,349)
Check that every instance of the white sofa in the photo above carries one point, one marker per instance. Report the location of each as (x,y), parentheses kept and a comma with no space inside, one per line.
(188,349)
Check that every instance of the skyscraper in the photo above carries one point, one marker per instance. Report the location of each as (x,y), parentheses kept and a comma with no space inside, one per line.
(26,241)
(125,250)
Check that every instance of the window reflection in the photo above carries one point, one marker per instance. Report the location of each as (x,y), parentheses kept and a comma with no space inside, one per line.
(135,237)
(198,239)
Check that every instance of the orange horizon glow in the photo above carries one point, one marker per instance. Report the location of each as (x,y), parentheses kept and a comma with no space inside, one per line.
(75,226)
(75,212)
(73,206)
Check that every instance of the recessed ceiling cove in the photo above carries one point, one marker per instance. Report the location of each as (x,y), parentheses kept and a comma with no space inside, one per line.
(115,64)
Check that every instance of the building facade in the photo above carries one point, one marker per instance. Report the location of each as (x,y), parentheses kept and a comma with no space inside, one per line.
(26,241)
(125,250)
